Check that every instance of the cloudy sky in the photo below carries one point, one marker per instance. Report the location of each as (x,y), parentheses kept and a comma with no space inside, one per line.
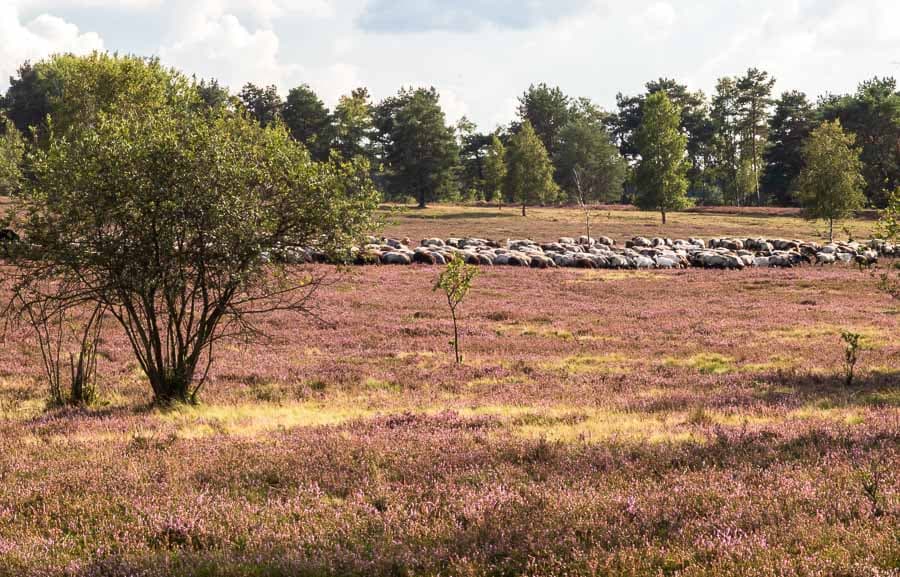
(480,54)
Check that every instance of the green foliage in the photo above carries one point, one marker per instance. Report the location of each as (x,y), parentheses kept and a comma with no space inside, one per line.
(455,282)
(830,186)
(262,104)
(789,128)
(695,122)
(852,346)
(213,95)
(547,111)
(873,115)
(661,174)
(529,176)
(474,148)
(889,223)
(309,121)
(590,166)
(494,170)
(354,125)
(165,216)
(12,149)
(81,88)
(419,149)
(27,100)
(754,101)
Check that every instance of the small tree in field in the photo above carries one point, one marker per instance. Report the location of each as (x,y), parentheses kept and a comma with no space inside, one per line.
(830,187)
(661,174)
(529,176)
(455,282)
(166,216)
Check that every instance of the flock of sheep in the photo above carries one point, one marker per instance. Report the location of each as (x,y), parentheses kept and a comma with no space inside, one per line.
(604,253)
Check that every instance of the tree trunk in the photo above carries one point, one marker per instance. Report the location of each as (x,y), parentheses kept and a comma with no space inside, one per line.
(456,337)
(664,216)
(172,386)
(587,223)
(830,230)
(523,209)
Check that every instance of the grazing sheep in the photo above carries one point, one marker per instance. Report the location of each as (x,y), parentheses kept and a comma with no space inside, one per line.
(424,257)
(823,258)
(667,262)
(396,258)
(644,262)
(866,259)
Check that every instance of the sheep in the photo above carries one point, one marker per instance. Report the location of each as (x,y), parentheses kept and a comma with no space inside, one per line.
(400,258)
(823,258)
(666,262)
(866,259)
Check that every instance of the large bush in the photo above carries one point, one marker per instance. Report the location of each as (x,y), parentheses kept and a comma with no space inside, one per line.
(166,215)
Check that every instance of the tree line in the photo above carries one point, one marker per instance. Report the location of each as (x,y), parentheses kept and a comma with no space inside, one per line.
(741,145)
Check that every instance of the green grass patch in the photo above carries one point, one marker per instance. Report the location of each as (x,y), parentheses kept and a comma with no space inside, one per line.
(706,363)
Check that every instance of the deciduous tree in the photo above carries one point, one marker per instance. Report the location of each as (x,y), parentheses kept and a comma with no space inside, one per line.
(831,185)
(164,215)
(661,173)
(529,171)
(873,115)
(591,167)
(12,149)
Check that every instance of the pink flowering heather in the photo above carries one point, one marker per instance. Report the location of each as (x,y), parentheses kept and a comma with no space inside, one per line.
(605,423)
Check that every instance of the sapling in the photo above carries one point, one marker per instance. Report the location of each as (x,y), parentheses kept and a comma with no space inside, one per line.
(851,355)
(455,282)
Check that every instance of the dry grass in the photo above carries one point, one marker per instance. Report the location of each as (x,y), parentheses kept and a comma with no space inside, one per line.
(546,224)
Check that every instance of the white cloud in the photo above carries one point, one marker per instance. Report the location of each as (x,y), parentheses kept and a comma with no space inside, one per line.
(454,106)
(38,38)
(659,18)
(222,47)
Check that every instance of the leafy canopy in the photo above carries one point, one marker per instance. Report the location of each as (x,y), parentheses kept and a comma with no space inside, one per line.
(166,215)
(494,170)
(661,173)
(831,185)
(529,178)
(12,148)
(590,166)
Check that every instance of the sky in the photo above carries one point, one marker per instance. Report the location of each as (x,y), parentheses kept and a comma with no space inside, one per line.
(480,54)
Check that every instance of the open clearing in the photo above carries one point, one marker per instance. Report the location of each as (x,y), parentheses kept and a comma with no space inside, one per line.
(604,423)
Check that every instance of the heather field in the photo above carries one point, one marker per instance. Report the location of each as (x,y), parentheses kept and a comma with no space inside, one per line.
(650,423)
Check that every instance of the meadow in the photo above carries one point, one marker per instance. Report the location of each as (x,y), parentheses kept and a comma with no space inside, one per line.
(686,422)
